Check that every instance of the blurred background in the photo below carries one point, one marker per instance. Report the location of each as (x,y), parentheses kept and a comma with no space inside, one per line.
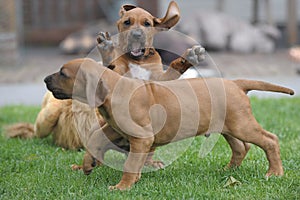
(244,39)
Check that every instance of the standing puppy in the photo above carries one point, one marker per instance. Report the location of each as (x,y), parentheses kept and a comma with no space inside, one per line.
(157,113)
(134,55)
(65,119)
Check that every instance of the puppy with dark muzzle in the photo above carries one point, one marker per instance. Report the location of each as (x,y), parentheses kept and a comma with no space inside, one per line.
(134,54)
(151,113)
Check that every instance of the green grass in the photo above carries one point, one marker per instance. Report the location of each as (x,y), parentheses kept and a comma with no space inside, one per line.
(36,169)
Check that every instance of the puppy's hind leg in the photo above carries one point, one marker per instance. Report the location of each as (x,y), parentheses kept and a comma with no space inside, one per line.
(157,164)
(272,151)
(239,151)
(253,133)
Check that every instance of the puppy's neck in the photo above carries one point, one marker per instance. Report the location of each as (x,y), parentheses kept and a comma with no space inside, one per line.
(117,87)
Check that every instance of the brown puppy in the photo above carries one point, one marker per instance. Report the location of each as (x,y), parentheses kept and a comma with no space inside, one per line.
(151,114)
(65,119)
(134,54)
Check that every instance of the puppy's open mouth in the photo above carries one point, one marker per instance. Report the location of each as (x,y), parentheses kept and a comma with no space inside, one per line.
(137,50)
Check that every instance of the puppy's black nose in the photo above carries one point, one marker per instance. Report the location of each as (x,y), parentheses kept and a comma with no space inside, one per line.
(137,33)
(47,79)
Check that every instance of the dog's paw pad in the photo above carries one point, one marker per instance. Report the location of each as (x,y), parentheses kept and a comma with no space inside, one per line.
(195,55)
(103,37)
(104,41)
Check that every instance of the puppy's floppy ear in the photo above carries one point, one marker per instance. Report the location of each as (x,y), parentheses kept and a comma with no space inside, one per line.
(170,19)
(125,8)
(96,90)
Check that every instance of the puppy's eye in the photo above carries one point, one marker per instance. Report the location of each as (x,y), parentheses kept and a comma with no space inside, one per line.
(147,24)
(62,74)
(127,22)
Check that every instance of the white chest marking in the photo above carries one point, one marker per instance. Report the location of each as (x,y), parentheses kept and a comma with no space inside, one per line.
(138,72)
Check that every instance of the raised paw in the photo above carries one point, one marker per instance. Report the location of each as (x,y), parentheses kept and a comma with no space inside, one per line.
(104,42)
(195,55)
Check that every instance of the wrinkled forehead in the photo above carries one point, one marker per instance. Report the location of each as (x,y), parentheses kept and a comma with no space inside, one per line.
(71,68)
(72,65)
(138,13)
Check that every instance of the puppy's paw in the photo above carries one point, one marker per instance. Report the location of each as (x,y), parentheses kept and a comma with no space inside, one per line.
(274,172)
(105,43)
(87,169)
(75,167)
(120,187)
(157,164)
(195,55)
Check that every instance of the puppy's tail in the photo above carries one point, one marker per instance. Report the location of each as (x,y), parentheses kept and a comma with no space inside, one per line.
(247,85)
(20,130)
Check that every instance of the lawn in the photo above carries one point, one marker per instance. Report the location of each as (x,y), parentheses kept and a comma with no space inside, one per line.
(36,169)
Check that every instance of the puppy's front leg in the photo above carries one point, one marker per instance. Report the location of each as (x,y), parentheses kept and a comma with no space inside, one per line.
(106,48)
(48,116)
(192,57)
(96,147)
(139,149)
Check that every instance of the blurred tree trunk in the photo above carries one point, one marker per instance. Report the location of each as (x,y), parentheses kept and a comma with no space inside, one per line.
(292,24)
(220,5)
(268,11)
(8,35)
(255,11)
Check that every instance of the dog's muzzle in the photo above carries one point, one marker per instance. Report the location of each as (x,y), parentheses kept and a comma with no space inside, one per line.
(57,93)
(136,43)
